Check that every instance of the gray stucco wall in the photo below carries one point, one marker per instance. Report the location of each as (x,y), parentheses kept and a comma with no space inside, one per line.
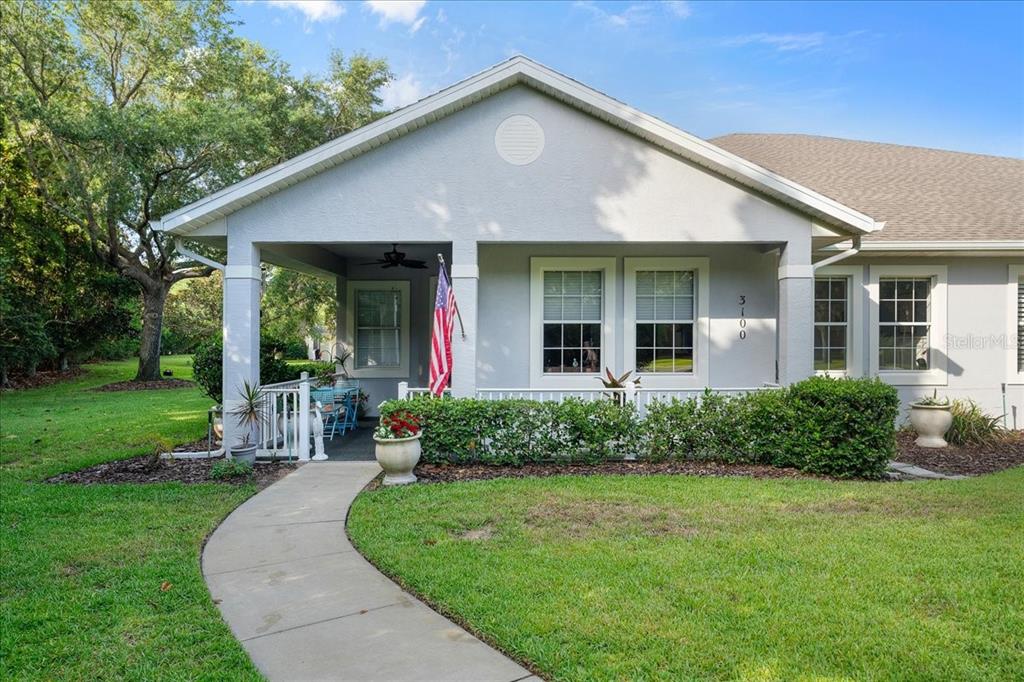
(503,351)
(977,346)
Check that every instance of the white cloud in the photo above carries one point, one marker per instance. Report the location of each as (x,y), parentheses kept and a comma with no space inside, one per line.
(631,16)
(679,8)
(783,42)
(399,12)
(402,91)
(312,10)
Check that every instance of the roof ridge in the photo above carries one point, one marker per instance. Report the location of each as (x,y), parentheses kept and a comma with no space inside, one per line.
(871,142)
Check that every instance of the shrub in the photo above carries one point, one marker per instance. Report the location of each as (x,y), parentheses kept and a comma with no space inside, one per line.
(837,427)
(230,468)
(208,369)
(971,425)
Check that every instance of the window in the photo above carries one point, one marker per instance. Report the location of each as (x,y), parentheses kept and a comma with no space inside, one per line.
(378,322)
(904,340)
(665,302)
(831,323)
(666,321)
(573,310)
(908,324)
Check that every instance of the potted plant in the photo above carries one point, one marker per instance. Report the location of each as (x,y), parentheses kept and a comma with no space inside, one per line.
(398,446)
(931,418)
(249,414)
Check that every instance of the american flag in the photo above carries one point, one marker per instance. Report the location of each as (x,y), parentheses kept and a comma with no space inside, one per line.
(441,337)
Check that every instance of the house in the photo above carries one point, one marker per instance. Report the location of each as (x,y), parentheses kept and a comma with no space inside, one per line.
(584,234)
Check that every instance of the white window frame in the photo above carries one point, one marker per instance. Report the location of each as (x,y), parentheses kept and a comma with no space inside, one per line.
(936,375)
(854,317)
(698,378)
(402,370)
(1014,374)
(540,265)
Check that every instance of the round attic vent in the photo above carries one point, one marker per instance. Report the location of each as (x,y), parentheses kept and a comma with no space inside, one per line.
(519,140)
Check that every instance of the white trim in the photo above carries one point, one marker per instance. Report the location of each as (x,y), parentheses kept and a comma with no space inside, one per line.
(701,327)
(855,317)
(402,370)
(903,246)
(465,270)
(1013,374)
(936,375)
(515,71)
(538,265)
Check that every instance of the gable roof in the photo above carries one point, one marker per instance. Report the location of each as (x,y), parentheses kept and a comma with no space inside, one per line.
(515,71)
(923,195)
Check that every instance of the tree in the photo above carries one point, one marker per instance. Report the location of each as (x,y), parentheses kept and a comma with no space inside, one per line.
(296,305)
(128,110)
(194,311)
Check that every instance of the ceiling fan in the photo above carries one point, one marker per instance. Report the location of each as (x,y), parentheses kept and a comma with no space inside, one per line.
(395,258)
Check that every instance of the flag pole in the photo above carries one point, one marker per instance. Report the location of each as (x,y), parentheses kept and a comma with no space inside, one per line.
(440,259)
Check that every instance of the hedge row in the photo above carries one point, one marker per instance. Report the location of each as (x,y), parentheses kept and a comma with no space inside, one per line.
(837,427)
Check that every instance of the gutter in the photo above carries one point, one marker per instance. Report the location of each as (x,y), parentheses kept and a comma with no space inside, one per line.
(179,246)
(842,255)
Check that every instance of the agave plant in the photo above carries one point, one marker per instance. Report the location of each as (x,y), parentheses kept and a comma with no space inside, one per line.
(249,411)
(612,382)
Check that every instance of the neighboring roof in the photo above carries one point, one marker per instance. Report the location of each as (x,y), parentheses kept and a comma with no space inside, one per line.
(515,71)
(923,195)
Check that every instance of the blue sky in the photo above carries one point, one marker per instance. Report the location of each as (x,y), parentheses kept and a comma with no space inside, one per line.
(946,75)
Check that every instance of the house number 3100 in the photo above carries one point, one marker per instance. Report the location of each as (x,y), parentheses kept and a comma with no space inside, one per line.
(743,317)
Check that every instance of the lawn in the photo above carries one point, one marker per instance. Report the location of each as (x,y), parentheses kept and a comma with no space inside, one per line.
(727,578)
(103,582)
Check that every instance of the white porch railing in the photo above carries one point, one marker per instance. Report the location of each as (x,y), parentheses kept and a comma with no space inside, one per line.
(641,397)
(290,422)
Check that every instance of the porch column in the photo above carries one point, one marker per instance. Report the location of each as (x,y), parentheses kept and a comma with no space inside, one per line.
(241,362)
(465,276)
(796,313)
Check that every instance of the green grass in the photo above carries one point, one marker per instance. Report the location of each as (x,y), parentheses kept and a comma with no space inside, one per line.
(103,581)
(703,578)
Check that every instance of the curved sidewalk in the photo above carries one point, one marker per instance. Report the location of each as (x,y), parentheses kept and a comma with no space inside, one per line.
(307,606)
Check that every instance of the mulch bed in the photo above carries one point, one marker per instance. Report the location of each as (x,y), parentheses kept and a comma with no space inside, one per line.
(145,385)
(448,473)
(141,470)
(969,460)
(44,378)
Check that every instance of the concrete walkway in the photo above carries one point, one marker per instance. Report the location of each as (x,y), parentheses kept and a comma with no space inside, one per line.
(307,606)
(911,472)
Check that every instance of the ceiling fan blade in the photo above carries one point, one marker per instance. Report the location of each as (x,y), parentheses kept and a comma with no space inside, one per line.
(417,264)
(376,262)
(390,265)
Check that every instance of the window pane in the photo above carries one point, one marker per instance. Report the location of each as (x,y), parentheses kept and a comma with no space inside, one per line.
(904,288)
(886,358)
(571,360)
(645,283)
(922,287)
(684,360)
(552,308)
(904,336)
(904,359)
(571,282)
(644,335)
(921,311)
(664,283)
(820,359)
(684,283)
(663,308)
(887,311)
(837,337)
(571,308)
(684,308)
(571,336)
(683,335)
(821,289)
(552,335)
(821,336)
(552,282)
(821,311)
(591,308)
(591,360)
(838,288)
(663,335)
(645,307)
(644,359)
(887,289)
(837,311)
(590,283)
(837,359)
(904,311)
(664,360)
(592,335)
(552,360)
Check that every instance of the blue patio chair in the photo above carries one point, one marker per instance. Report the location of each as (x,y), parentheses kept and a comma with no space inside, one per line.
(347,393)
(332,409)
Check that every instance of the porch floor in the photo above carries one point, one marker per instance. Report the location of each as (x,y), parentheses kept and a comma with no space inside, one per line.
(354,446)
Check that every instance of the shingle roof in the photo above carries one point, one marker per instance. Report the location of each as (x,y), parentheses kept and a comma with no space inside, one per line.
(921,194)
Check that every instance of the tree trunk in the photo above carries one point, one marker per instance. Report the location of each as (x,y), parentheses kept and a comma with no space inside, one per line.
(63,361)
(152,324)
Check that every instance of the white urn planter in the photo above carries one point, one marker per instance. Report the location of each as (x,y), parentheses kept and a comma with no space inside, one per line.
(398,457)
(931,422)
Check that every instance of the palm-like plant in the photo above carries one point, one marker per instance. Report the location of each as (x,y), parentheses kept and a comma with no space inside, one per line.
(249,411)
(613,382)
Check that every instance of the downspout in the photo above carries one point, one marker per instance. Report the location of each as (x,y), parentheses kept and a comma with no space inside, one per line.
(842,255)
(187,253)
